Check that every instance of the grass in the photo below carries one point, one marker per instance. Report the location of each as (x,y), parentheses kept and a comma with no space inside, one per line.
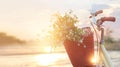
(112,46)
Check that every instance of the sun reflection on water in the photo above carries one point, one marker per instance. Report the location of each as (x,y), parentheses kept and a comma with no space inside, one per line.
(47,59)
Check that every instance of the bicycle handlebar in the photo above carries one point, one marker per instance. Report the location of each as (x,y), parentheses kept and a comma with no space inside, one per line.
(103,19)
(112,19)
(96,13)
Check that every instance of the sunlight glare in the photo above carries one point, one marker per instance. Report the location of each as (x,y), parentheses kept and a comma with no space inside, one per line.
(94,60)
(47,59)
(48,49)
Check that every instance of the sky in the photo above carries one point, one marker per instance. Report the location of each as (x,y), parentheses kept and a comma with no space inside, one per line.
(29,19)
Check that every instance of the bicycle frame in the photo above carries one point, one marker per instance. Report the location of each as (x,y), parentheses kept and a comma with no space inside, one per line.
(105,58)
(103,54)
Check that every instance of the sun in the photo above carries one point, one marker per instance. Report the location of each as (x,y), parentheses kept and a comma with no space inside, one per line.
(48,49)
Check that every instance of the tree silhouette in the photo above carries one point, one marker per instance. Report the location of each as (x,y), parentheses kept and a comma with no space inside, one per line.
(7,39)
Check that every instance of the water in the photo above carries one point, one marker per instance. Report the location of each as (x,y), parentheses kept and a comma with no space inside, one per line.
(46,60)
(115,56)
(35,60)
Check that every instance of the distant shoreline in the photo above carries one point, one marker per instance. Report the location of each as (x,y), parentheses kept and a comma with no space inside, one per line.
(112,46)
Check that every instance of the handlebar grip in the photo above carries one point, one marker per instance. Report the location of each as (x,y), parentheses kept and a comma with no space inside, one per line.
(103,19)
(98,12)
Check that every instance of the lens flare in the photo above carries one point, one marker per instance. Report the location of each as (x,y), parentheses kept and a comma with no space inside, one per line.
(94,60)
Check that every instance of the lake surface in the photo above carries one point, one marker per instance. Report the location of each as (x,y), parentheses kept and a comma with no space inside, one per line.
(45,60)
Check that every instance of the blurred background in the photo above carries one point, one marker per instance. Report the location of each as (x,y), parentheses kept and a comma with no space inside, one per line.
(24,26)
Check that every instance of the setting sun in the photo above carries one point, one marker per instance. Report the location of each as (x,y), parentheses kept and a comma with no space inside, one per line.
(48,49)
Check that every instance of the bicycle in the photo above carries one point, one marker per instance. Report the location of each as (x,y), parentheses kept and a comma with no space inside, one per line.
(102,54)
